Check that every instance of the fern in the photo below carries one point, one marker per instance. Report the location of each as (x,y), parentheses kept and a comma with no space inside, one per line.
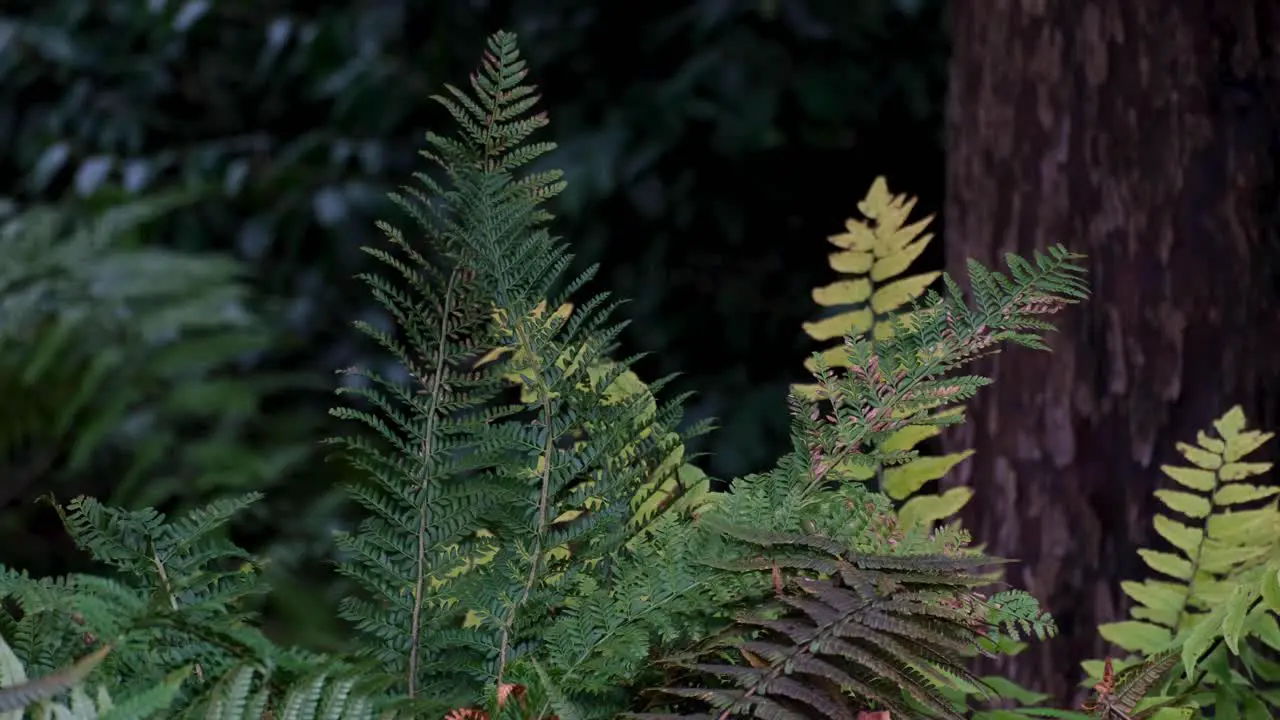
(553,556)
(872,252)
(1127,695)
(881,626)
(19,694)
(769,525)
(674,483)
(486,517)
(1209,599)
(247,693)
(179,599)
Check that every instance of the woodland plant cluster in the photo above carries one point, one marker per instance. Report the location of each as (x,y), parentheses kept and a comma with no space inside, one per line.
(537,544)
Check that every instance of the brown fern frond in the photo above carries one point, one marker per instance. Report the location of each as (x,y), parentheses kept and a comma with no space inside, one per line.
(880,630)
(1117,694)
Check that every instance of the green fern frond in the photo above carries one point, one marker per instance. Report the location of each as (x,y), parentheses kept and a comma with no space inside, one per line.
(796,527)
(873,252)
(179,599)
(486,518)
(673,483)
(1217,540)
(1210,590)
(247,693)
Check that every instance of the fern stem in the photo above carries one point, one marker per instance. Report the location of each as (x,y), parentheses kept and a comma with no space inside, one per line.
(548,450)
(425,486)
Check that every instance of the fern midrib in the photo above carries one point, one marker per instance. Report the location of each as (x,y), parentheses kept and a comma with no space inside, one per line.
(424,484)
(1195,561)
(548,451)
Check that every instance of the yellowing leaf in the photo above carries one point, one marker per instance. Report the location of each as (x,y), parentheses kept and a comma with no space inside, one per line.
(1213,445)
(1194,478)
(1190,505)
(1236,494)
(1239,471)
(908,437)
(807,392)
(1167,563)
(925,510)
(1216,558)
(1231,423)
(896,263)
(1184,537)
(900,292)
(849,470)
(1164,599)
(902,481)
(851,262)
(1199,456)
(858,237)
(892,238)
(835,357)
(1238,526)
(855,322)
(877,199)
(843,292)
(1246,442)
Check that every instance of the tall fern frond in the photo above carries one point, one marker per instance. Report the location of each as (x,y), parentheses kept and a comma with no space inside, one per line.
(486,517)
(872,252)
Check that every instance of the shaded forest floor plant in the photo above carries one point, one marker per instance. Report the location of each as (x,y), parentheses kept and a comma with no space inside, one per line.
(535,542)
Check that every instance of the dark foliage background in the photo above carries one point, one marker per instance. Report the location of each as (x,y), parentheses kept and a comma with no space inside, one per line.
(710,146)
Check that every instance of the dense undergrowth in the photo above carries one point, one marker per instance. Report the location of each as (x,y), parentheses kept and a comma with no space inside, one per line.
(537,543)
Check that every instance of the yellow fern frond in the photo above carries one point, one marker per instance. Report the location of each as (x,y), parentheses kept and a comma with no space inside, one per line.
(872,255)
(1225,533)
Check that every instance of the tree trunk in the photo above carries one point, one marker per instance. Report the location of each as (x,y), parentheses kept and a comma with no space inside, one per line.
(1144,133)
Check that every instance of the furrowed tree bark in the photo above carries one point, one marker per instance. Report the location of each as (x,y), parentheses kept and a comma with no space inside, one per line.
(1144,133)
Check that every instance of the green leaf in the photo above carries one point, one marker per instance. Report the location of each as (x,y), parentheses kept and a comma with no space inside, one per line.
(1136,636)
(1006,688)
(1236,494)
(1270,587)
(1202,636)
(1237,610)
